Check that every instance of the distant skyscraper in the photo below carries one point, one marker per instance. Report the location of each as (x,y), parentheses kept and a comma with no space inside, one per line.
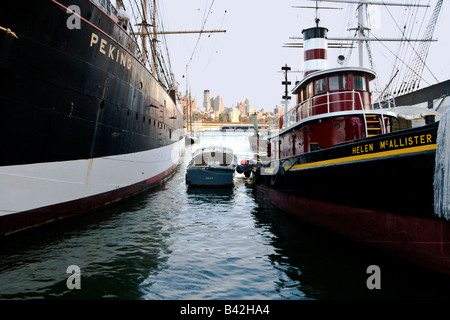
(233,115)
(217,104)
(206,100)
(248,108)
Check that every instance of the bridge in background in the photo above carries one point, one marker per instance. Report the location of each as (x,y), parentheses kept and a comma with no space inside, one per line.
(223,126)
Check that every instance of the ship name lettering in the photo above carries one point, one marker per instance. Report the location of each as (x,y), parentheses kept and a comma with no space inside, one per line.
(406,142)
(363,149)
(107,49)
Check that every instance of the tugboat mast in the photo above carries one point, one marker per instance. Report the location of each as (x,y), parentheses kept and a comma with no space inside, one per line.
(362,27)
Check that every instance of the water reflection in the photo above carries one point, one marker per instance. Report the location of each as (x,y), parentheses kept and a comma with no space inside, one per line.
(319,265)
(115,249)
(210,195)
(176,242)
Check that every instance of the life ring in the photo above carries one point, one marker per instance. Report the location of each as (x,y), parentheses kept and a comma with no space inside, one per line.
(281,122)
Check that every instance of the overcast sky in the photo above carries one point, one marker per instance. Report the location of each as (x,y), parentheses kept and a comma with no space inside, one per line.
(245,62)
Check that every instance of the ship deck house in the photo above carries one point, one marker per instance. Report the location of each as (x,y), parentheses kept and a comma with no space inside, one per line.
(333,106)
(333,90)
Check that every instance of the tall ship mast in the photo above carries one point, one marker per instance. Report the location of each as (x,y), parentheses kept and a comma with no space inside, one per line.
(407,72)
(86,119)
(358,167)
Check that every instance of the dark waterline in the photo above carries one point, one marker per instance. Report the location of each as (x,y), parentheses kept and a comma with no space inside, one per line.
(176,243)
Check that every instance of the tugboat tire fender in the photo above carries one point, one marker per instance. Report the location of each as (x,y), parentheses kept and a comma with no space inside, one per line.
(257,178)
(277,179)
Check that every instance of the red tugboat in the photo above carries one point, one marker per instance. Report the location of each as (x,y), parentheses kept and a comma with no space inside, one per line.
(338,161)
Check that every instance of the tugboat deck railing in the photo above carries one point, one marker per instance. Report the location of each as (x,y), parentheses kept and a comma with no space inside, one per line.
(306,109)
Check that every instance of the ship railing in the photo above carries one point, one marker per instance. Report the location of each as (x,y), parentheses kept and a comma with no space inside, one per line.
(306,109)
(384,101)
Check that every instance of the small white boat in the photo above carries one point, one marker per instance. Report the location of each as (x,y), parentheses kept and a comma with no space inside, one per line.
(212,167)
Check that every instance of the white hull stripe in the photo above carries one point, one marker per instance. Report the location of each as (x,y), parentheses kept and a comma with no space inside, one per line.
(28,187)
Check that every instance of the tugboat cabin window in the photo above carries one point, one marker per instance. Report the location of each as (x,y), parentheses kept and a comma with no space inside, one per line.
(302,95)
(338,83)
(309,90)
(320,86)
(359,83)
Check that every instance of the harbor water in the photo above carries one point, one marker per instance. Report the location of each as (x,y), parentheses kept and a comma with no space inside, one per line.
(178,243)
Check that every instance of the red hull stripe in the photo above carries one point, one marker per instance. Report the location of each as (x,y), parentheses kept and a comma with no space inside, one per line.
(315,54)
(422,241)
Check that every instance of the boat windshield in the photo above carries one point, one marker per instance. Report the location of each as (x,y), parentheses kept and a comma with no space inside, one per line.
(213,156)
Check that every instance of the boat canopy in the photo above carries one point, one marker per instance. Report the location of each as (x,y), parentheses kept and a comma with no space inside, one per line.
(212,149)
(213,155)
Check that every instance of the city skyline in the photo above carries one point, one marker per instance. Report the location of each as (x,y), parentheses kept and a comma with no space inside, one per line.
(211,103)
(246,61)
(213,109)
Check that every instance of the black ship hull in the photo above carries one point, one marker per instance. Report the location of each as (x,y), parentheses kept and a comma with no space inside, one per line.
(378,191)
(83,122)
(353,173)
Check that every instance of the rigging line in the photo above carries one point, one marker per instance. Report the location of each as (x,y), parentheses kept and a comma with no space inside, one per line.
(200,34)
(372,64)
(139,53)
(401,50)
(413,58)
(131,28)
(167,66)
(205,12)
(145,27)
(399,59)
(423,20)
(402,30)
(419,60)
(205,18)
(420,30)
(417,55)
(215,43)
(136,18)
(369,54)
(348,15)
(350,24)
(159,68)
(423,49)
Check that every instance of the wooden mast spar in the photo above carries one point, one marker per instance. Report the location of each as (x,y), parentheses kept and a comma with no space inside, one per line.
(145,32)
